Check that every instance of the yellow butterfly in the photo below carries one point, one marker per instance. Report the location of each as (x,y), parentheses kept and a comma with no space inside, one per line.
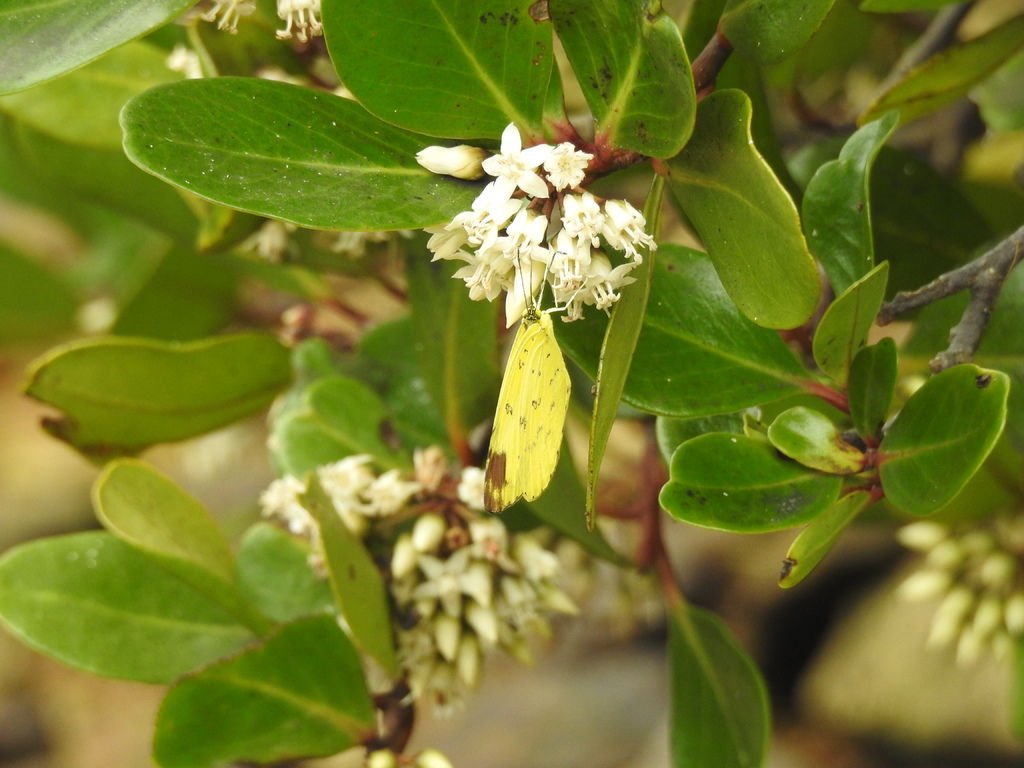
(528,422)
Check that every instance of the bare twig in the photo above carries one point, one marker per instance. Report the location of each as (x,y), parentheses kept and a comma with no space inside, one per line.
(709,63)
(984,278)
(941,33)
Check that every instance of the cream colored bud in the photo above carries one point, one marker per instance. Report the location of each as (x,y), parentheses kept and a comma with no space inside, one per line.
(426,606)
(1013,614)
(998,569)
(922,535)
(950,616)
(945,554)
(1002,646)
(484,622)
(537,562)
(462,162)
(969,649)
(925,585)
(381,758)
(519,650)
(554,599)
(403,559)
(977,542)
(431,758)
(447,631)
(478,582)
(988,617)
(428,532)
(467,662)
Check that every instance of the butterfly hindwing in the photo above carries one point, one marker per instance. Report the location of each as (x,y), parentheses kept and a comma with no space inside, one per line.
(528,421)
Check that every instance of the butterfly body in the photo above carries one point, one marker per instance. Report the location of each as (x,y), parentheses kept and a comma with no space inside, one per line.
(531,411)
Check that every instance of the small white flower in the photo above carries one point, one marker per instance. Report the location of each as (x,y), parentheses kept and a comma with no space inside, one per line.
(354,244)
(515,167)
(303,16)
(582,218)
(186,61)
(271,241)
(566,166)
(389,493)
(447,633)
(604,282)
(471,488)
(431,758)
(528,276)
(487,215)
(484,622)
(381,758)
(922,535)
(462,162)
(281,500)
(446,580)
(446,241)
(623,229)
(345,480)
(538,563)
(229,12)
(925,585)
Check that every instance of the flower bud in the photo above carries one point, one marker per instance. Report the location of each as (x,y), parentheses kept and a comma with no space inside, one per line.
(403,559)
(1013,614)
(431,758)
(552,598)
(969,649)
(381,758)
(484,622)
(945,554)
(462,162)
(477,582)
(998,569)
(950,615)
(467,662)
(428,533)
(924,585)
(447,631)
(988,617)
(922,535)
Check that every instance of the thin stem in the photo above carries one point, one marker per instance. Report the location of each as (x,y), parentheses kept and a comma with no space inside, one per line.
(831,396)
(709,63)
(940,34)
(984,278)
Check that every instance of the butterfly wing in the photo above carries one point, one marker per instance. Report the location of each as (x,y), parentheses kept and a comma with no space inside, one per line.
(528,422)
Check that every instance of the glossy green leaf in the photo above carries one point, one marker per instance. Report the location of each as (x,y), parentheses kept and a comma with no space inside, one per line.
(45,38)
(337,417)
(766,30)
(563,507)
(618,348)
(949,74)
(637,80)
(34,302)
(457,69)
(744,216)
(1001,96)
(456,346)
(119,396)
(900,6)
(273,572)
(844,327)
(102,606)
(837,207)
(720,713)
(941,436)
(300,155)
(186,296)
(82,107)
(107,178)
(737,483)
(301,693)
(923,224)
(871,385)
(814,542)
(813,439)
(671,433)
(355,580)
(696,355)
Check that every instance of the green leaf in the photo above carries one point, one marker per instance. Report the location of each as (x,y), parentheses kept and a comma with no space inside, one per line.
(719,713)
(45,38)
(186,297)
(744,216)
(871,385)
(671,433)
(100,605)
(563,507)
(737,483)
(82,107)
(923,224)
(949,74)
(119,396)
(941,437)
(301,693)
(837,208)
(814,542)
(274,574)
(355,580)
(767,30)
(1001,97)
(617,350)
(844,327)
(900,6)
(813,439)
(696,355)
(456,69)
(636,80)
(34,302)
(455,348)
(300,155)
(337,417)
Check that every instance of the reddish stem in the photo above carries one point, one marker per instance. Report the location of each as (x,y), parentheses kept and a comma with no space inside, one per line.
(831,396)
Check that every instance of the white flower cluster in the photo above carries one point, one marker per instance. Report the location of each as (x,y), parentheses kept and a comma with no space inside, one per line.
(428,758)
(978,574)
(533,224)
(460,582)
(464,591)
(301,17)
(359,496)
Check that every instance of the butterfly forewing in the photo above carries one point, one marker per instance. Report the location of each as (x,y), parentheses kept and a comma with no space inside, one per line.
(529,418)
